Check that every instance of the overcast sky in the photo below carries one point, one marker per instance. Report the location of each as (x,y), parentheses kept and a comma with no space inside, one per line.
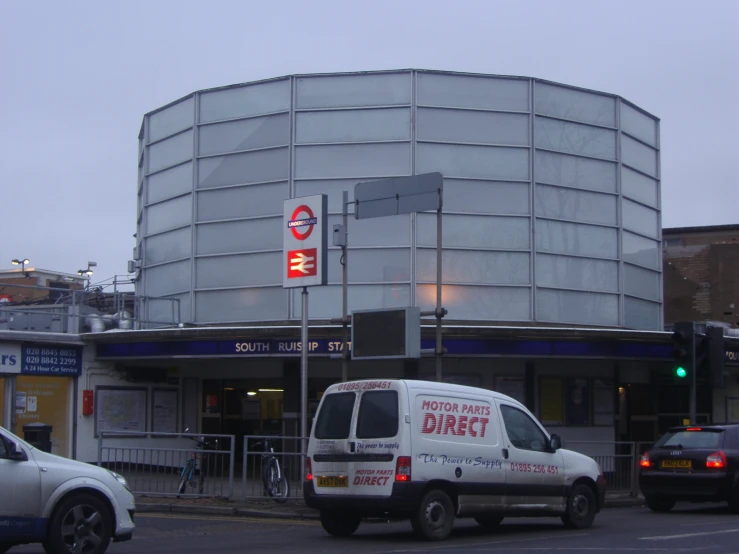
(77,77)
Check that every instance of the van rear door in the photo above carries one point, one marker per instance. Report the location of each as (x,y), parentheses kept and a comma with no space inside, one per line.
(362,459)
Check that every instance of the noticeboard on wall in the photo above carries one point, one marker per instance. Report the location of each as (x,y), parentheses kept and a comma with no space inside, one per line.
(550,401)
(164,411)
(120,410)
(512,386)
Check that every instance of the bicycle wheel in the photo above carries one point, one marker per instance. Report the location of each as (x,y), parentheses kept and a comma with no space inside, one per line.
(269,476)
(276,484)
(282,490)
(201,480)
(185,477)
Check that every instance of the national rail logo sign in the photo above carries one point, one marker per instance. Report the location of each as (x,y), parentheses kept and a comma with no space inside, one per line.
(305,241)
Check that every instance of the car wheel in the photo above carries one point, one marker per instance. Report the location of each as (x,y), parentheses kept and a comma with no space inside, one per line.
(660,503)
(81,524)
(338,524)
(581,508)
(434,517)
(489,522)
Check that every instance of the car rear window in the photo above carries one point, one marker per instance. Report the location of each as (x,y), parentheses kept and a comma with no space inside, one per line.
(378,415)
(706,438)
(335,417)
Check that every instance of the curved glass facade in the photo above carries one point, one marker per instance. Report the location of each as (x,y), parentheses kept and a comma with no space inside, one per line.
(551,198)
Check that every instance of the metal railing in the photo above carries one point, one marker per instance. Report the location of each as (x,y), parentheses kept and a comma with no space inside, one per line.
(617,460)
(153,463)
(54,310)
(287,450)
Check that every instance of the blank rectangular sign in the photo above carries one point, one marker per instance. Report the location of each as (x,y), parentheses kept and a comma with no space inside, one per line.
(386,334)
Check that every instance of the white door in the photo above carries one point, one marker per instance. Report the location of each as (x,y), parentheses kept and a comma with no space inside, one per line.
(20,494)
(534,473)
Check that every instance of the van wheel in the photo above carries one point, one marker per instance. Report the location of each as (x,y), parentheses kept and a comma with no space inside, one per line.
(581,508)
(80,524)
(434,518)
(489,522)
(338,524)
(659,504)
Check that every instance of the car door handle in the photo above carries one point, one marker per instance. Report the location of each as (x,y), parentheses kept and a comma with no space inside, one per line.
(505,453)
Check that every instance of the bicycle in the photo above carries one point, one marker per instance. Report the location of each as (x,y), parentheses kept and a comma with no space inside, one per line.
(187,476)
(275,483)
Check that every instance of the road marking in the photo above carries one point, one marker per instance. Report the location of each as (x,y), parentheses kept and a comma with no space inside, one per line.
(227,518)
(468,546)
(687,535)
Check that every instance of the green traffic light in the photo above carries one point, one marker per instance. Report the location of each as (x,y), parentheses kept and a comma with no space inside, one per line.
(680,372)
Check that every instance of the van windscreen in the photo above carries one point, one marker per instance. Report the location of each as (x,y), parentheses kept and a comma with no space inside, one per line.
(335,417)
(378,415)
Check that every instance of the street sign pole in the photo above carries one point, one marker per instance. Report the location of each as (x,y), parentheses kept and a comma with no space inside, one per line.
(304,376)
(344,290)
(439,348)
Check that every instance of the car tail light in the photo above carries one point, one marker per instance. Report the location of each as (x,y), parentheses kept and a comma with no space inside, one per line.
(717,460)
(308,470)
(403,469)
(694,429)
(644,460)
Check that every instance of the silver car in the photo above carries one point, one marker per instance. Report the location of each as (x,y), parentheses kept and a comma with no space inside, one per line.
(68,506)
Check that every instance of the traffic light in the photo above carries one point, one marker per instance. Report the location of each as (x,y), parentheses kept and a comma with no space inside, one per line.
(715,356)
(683,343)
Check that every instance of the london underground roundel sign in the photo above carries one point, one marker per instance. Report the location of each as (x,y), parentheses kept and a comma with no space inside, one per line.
(302,222)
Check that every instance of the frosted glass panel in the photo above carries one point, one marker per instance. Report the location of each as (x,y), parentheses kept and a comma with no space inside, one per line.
(465,91)
(246,134)
(573,238)
(575,104)
(640,219)
(239,236)
(587,308)
(570,171)
(325,302)
(486,197)
(639,156)
(168,246)
(170,151)
(258,304)
(640,314)
(480,303)
(483,268)
(472,126)
(245,101)
(574,138)
(640,251)
(483,162)
(167,279)
(166,311)
(639,125)
(588,207)
(169,183)
(354,90)
(642,282)
(239,271)
(170,120)
(353,125)
(251,167)
(248,201)
(576,273)
(474,231)
(352,160)
(384,231)
(169,215)
(639,187)
(332,188)
(375,265)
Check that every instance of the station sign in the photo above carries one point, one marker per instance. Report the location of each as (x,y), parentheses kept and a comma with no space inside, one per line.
(305,241)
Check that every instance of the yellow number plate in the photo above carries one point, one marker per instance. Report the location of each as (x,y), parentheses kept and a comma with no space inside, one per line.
(333,482)
(677,464)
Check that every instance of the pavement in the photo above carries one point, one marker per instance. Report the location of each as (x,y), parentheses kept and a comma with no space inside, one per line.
(292,509)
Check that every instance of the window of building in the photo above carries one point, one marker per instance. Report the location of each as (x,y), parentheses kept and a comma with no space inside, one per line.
(675,241)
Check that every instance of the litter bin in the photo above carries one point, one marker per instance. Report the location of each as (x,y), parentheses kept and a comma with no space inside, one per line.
(38,435)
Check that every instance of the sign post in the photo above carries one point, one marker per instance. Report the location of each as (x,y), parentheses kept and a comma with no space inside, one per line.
(304,254)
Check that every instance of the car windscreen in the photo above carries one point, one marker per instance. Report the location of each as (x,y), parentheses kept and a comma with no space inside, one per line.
(705,438)
(335,416)
(378,415)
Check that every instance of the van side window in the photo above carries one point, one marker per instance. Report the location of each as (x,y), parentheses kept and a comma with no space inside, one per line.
(522,431)
(335,416)
(378,415)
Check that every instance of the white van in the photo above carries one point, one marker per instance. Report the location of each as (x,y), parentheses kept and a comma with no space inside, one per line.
(432,451)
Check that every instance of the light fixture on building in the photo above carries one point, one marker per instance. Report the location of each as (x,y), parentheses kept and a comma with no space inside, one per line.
(23,262)
(251,393)
(87,272)
(271,390)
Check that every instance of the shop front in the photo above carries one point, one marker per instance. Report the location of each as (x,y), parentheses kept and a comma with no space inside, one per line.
(38,382)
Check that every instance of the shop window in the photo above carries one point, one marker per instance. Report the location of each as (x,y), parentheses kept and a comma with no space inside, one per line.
(45,400)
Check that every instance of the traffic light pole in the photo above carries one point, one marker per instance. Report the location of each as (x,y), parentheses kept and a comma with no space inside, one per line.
(693,387)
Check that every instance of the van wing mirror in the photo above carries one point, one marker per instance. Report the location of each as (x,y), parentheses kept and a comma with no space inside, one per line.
(555,443)
(15,452)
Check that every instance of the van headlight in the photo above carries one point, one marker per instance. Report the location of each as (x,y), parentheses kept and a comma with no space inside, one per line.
(121,479)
